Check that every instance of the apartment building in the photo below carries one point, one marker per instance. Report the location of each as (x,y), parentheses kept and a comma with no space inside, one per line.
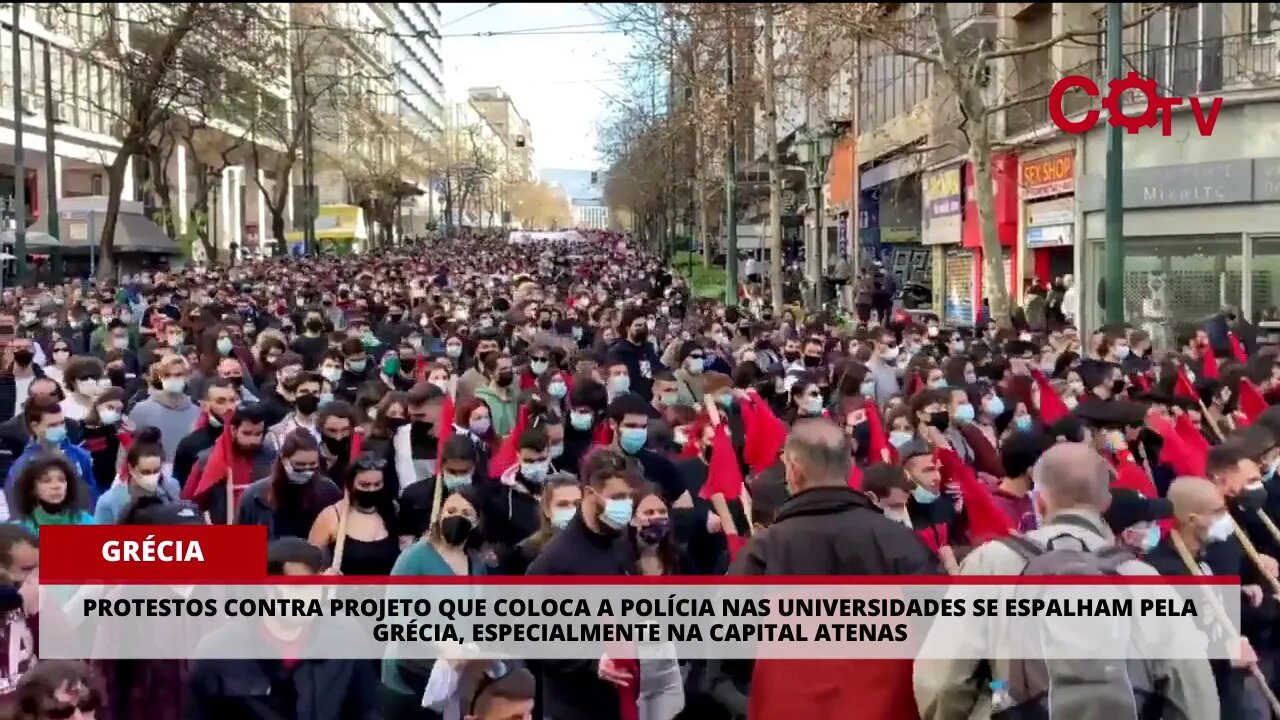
(474,154)
(584,190)
(500,111)
(1202,212)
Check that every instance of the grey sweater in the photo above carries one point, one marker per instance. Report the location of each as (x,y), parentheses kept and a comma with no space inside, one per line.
(174,423)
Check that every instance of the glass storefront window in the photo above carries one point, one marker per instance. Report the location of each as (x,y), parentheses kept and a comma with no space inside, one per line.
(1265,272)
(1172,284)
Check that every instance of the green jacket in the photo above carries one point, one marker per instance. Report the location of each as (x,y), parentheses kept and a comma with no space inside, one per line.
(502,412)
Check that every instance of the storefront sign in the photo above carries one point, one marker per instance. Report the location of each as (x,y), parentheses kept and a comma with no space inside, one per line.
(1050,236)
(1210,183)
(942,193)
(1053,175)
(1059,211)
(1266,180)
(899,234)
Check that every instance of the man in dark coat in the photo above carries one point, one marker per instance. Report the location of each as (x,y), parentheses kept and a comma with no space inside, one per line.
(826,528)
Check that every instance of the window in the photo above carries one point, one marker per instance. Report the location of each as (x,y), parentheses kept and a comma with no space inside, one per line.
(1262,19)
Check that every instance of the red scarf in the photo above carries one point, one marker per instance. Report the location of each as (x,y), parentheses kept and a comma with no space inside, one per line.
(223,462)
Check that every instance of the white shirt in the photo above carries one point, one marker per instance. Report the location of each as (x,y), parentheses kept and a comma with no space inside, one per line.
(22,392)
(73,410)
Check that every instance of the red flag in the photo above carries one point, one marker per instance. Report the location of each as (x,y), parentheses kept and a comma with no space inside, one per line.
(765,436)
(629,694)
(878,447)
(1140,381)
(126,442)
(986,519)
(724,477)
(1192,438)
(357,445)
(444,429)
(222,463)
(509,451)
(855,478)
(1052,408)
(1237,350)
(1130,476)
(602,436)
(1209,365)
(1183,388)
(420,369)
(1251,401)
(1174,451)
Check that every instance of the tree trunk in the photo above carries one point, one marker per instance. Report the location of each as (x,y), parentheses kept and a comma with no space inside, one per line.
(277,231)
(159,162)
(994,284)
(770,101)
(107,243)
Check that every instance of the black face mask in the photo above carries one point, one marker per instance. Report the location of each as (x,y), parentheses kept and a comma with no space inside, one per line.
(505,378)
(52,508)
(810,361)
(367,499)
(23,357)
(791,355)
(1251,500)
(395,424)
(940,420)
(314,326)
(236,382)
(655,531)
(307,404)
(544,324)
(456,530)
(640,336)
(117,377)
(1117,387)
(340,448)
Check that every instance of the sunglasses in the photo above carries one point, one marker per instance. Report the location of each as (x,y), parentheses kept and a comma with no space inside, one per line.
(370,463)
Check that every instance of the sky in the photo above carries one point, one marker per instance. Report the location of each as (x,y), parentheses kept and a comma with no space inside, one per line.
(558,77)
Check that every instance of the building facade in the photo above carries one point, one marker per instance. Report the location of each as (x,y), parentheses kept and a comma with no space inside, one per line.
(500,111)
(585,192)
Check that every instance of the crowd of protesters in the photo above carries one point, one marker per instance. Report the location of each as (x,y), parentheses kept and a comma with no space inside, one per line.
(585,414)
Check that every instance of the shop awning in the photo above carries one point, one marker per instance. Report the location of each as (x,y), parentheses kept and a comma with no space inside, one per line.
(134,233)
(335,222)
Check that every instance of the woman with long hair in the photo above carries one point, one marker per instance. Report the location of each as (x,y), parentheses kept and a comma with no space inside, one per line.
(48,491)
(102,431)
(371,546)
(289,500)
(559,501)
(471,419)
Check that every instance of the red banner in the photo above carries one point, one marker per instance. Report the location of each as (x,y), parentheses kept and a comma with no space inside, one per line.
(179,554)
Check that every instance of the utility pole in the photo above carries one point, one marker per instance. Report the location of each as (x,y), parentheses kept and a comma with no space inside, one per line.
(19,159)
(51,168)
(1115,178)
(770,107)
(730,174)
(670,204)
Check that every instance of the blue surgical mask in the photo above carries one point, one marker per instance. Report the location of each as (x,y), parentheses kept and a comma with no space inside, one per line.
(557,390)
(868,388)
(633,439)
(1151,539)
(617,513)
(993,405)
(964,413)
(560,517)
(453,482)
(811,405)
(556,450)
(725,400)
(356,366)
(1022,423)
(938,384)
(670,399)
(55,434)
(224,346)
(534,471)
(481,426)
(923,495)
(580,421)
(1271,469)
(619,384)
(538,366)
(898,438)
(326,398)
(695,365)
(1121,351)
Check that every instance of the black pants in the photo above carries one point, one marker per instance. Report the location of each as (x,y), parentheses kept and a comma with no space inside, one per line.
(399,706)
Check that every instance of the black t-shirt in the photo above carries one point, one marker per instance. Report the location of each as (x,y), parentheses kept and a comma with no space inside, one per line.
(311,349)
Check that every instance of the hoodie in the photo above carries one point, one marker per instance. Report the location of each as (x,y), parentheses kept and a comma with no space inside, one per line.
(174,420)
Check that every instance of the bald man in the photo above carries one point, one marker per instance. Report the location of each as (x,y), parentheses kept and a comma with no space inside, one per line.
(827,528)
(1071,482)
(1201,521)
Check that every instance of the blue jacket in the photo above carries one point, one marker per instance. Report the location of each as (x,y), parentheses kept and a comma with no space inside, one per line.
(74,453)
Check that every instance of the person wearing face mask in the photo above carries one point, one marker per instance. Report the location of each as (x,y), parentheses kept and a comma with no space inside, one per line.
(1132,519)
(15,385)
(289,499)
(499,395)
(826,528)
(83,381)
(584,426)
(512,504)
(882,367)
(1202,527)
(596,541)
(629,418)
(457,469)
(355,370)
(933,513)
(1019,453)
(558,504)
(633,350)
(371,546)
(1071,490)
(169,408)
(143,476)
(311,344)
(238,456)
(48,491)
(101,433)
(302,392)
(47,430)
(889,489)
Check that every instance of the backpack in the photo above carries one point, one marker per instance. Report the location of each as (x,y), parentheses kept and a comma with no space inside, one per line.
(1039,689)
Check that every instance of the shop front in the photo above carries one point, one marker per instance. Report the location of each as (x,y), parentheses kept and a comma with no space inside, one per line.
(1048,217)
(942,193)
(889,219)
(1004,179)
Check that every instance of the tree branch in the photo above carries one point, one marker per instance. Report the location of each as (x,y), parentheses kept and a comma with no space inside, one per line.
(990,55)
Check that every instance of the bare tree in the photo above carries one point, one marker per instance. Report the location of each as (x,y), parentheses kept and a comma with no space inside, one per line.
(162,59)
(769,104)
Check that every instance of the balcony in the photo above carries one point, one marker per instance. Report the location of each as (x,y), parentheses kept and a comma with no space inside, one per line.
(1211,66)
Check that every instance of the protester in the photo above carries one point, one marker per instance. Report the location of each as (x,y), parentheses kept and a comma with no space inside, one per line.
(290,498)
(370,546)
(141,476)
(48,491)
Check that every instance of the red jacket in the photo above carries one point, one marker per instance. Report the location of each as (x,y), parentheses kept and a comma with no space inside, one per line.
(827,689)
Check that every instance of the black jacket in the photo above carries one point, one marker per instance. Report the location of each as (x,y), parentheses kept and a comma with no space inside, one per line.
(642,362)
(189,449)
(265,690)
(571,689)
(834,531)
(14,438)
